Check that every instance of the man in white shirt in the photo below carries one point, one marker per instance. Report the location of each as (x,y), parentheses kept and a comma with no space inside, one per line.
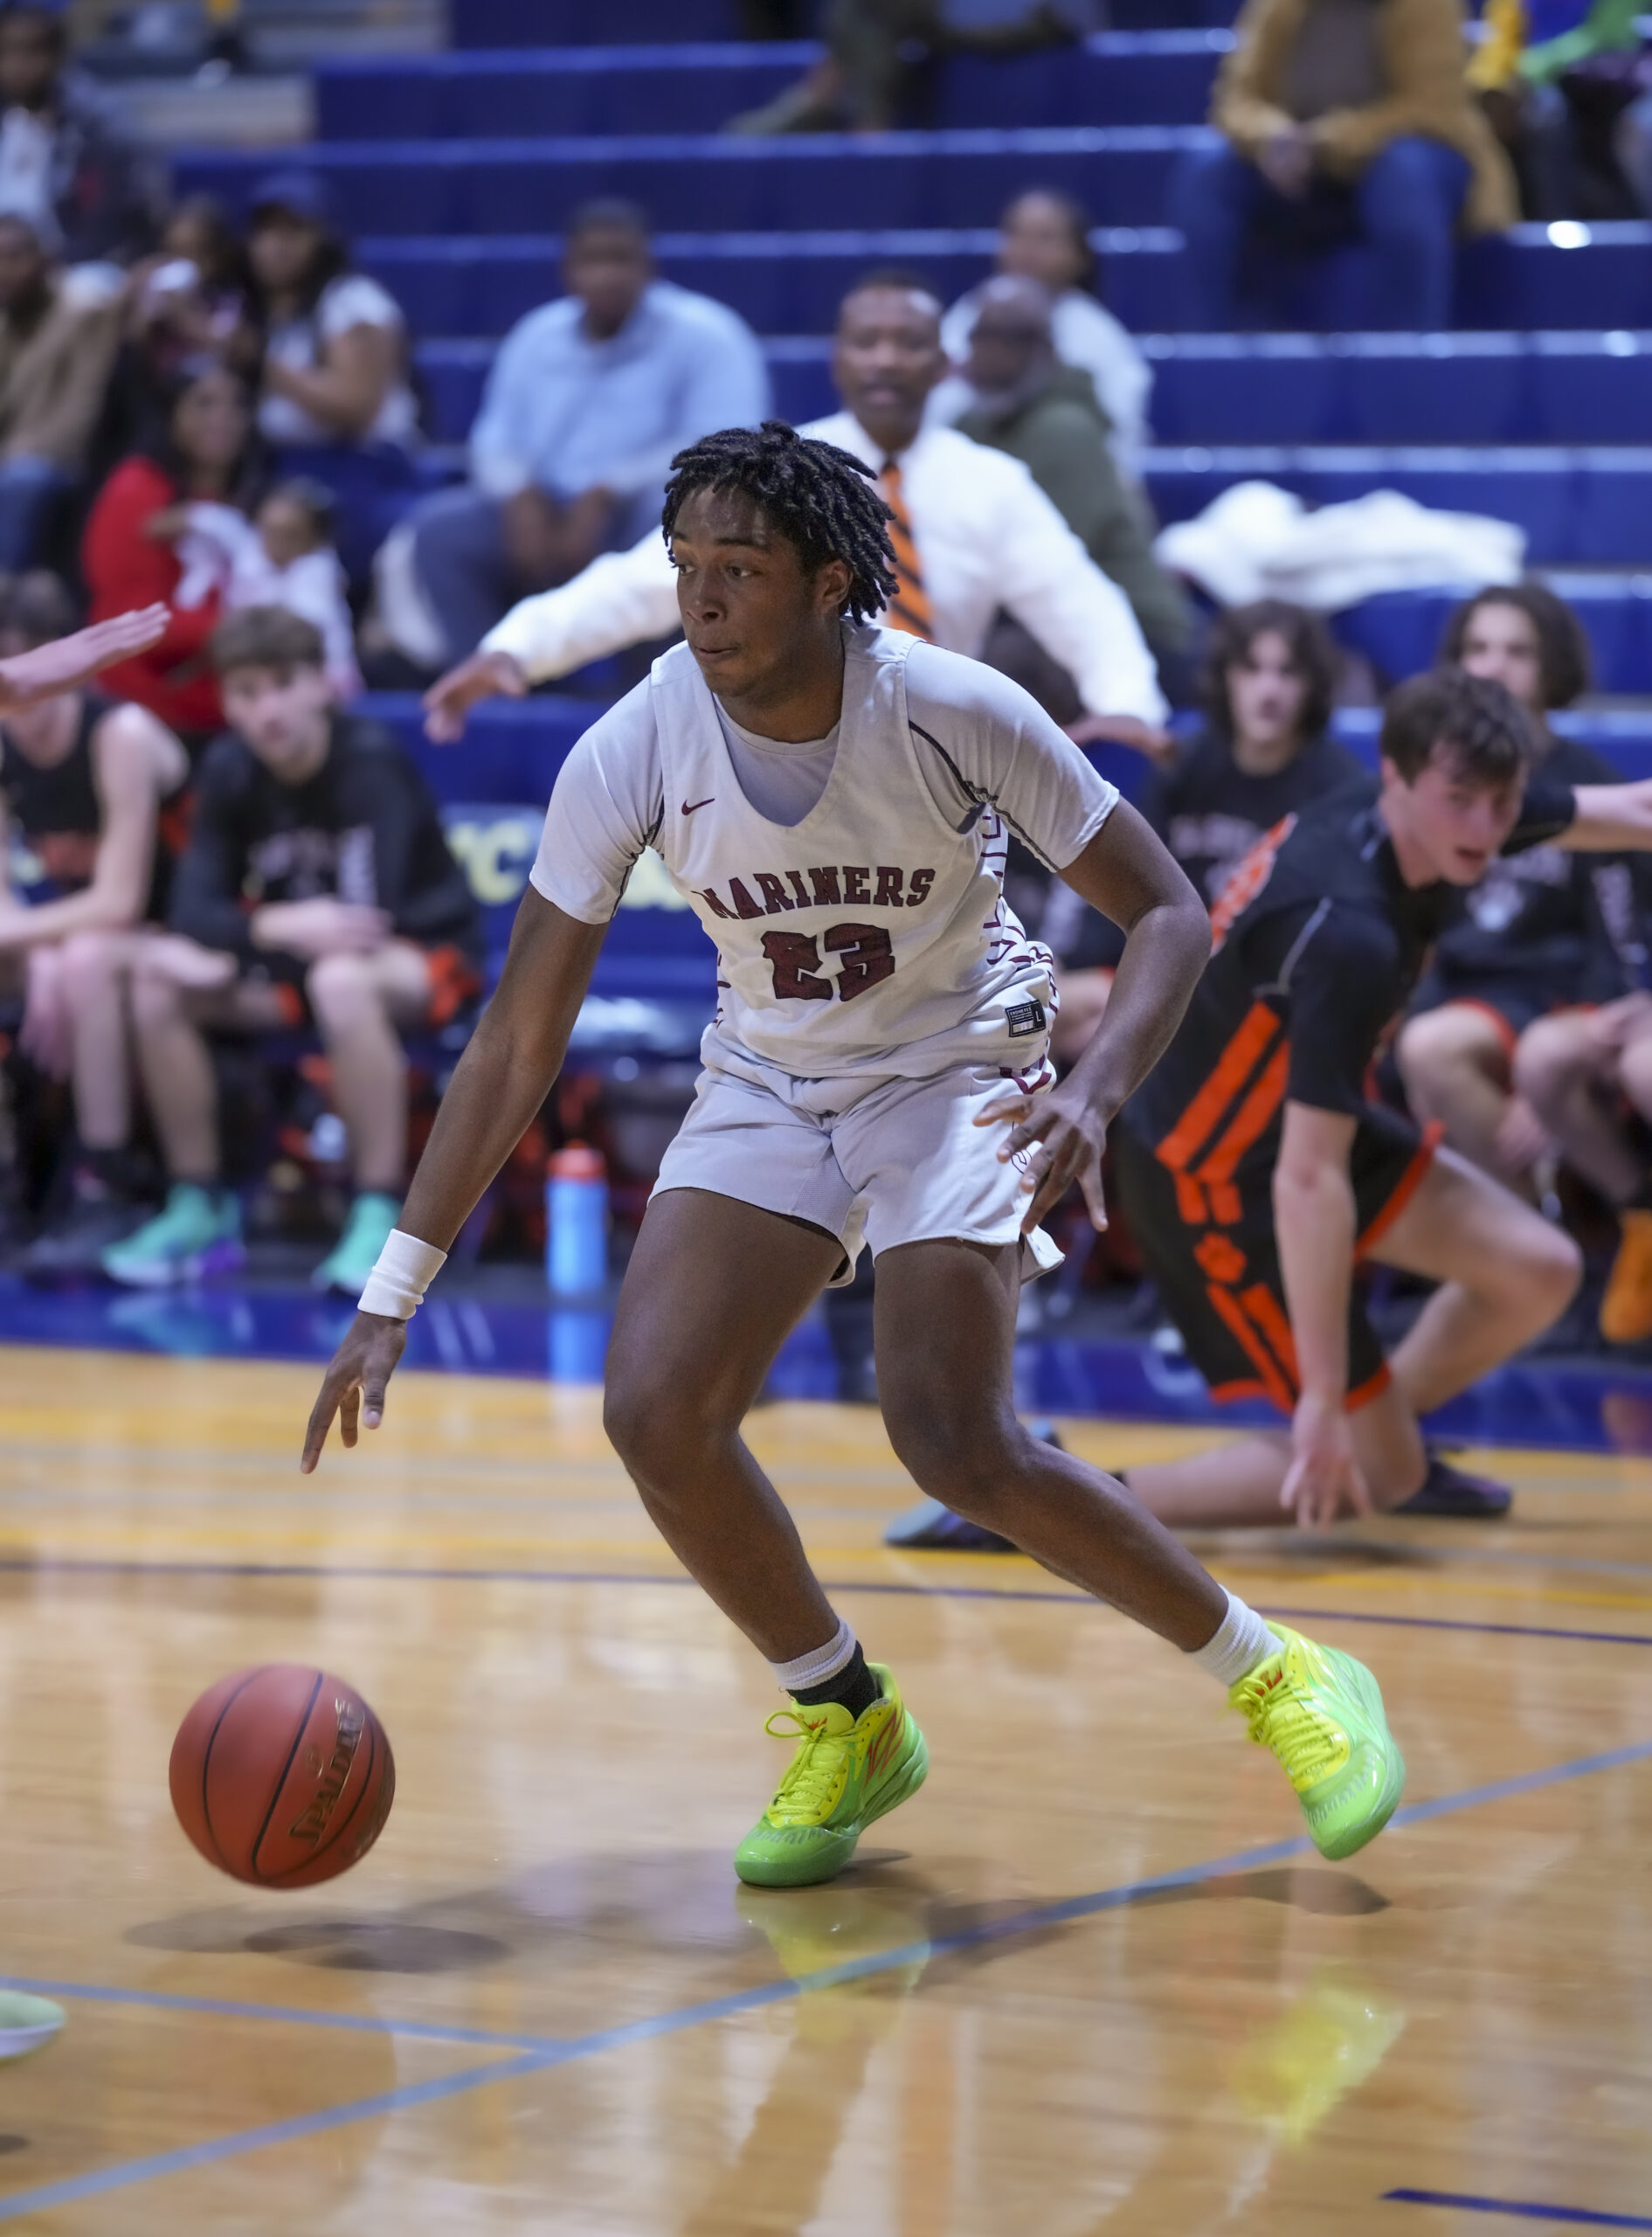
(980,532)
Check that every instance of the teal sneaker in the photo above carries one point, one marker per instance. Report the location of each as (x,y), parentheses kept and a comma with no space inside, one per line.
(845,1774)
(346,1266)
(197,1235)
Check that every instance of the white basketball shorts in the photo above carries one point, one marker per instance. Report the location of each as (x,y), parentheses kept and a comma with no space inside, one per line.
(879,1161)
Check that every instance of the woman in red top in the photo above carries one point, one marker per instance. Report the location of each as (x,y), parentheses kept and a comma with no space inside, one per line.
(204,452)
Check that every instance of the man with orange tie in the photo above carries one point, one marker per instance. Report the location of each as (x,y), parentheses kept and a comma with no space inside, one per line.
(971,531)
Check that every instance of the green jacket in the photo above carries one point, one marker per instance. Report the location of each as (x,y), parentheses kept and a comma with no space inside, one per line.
(1060,437)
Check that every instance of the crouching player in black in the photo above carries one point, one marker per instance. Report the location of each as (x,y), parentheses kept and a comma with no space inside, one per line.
(1256,1174)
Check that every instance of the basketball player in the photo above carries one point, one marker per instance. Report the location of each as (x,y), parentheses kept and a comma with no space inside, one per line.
(833,801)
(1257,1173)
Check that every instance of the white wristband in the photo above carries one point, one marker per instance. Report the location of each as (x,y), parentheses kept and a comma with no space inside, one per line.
(405,1269)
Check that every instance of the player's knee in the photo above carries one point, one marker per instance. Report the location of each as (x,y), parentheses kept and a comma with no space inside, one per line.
(964,1456)
(1432,1047)
(1539,1267)
(1548,1060)
(157,999)
(341,989)
(87,961)
(660,1429)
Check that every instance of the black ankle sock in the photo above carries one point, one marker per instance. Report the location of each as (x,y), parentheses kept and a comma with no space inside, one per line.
(1641,1200)
(854,1687)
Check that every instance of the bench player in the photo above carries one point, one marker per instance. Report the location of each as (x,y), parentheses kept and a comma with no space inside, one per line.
(833,800)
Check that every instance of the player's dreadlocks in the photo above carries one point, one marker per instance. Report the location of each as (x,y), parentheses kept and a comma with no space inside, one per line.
(819,498)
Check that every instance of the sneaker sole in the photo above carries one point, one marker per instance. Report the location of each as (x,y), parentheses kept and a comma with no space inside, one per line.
(1358,1682)
(178,1273)
(827,1861)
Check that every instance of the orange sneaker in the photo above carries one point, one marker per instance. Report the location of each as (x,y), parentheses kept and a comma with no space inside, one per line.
(1626,1309)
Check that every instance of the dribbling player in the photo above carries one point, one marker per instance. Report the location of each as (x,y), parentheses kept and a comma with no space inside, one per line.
(833,800)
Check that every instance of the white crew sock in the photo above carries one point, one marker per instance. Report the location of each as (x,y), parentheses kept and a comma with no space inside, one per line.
(1242,1640)
(823,1662)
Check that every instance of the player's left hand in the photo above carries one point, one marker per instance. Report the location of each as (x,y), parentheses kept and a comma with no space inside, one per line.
(1055,1139)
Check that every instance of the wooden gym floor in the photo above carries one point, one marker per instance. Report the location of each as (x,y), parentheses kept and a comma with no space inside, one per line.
(1091,1983)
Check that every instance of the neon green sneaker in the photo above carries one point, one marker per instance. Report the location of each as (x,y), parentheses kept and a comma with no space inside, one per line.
(1321,1713)
(352,1258)
(846,1774)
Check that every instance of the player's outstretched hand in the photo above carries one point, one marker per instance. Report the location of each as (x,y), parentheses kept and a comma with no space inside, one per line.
(353,1386)
(1324,1472)
(47,669)
(484,675)
(1055,1139)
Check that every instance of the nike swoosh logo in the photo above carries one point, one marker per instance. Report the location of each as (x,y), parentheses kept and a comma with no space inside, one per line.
(698,804)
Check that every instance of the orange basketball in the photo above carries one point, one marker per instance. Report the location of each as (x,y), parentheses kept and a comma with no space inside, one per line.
(282,1776)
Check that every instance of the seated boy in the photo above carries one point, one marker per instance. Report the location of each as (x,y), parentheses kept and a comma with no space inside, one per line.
(316,886)
(86,784)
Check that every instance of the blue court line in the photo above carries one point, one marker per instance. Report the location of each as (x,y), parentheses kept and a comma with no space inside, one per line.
(1521,2209)
(556,2053)
(362,1572)
(117,2178)
(288,2015)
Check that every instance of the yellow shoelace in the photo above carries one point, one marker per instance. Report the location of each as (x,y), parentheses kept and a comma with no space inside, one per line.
(806,1791)
(1284,1716)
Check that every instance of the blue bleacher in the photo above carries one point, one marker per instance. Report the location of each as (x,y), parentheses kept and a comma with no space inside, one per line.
(455,172)
(569,22)
(636,90)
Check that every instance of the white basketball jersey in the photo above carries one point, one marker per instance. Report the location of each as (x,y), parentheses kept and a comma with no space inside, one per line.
(872,936)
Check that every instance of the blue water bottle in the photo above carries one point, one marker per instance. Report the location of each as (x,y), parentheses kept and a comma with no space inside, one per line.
(575,1220)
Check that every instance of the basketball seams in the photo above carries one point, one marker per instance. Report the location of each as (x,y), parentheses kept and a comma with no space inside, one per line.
(298,1740)
(206,1760)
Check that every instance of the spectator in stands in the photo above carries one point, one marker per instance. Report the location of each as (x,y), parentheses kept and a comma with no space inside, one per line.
(364,925)
(1542,931)
(284,556)
(1045,414)
(66,169)
(974,532)
(335,358)
(87,784)
(205,452)
(1344,120)
(1265,751)
(871,44)
(192,298)
(1045,236)
(1586,1075)
(588,400)
(1567,91)
(56,353)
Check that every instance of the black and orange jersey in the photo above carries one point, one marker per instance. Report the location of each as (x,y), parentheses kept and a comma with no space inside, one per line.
(1317,944)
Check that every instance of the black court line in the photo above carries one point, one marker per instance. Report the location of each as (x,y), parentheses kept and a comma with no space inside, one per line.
(15,1566)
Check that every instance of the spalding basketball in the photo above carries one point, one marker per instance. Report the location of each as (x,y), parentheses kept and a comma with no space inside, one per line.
(282,1776)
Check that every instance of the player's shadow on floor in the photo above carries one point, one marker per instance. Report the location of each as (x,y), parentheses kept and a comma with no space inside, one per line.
(572,1912)
(1301,1888)
(582,1909)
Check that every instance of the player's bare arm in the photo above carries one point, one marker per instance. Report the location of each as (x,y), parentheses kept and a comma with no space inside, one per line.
(59,666)
(1610,817)
(498,1086)
(1314,1218)
(1128,874)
